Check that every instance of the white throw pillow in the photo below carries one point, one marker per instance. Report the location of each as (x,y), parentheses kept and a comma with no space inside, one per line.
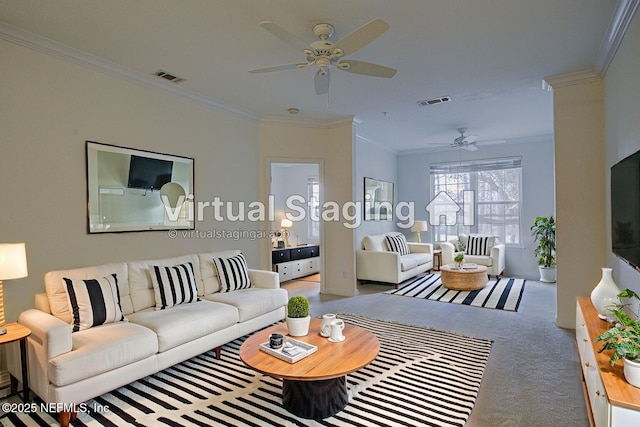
(93,302)
(232,273)
(174,285)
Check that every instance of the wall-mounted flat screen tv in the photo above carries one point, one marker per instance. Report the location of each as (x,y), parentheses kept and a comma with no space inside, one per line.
(145,172)
(625,209)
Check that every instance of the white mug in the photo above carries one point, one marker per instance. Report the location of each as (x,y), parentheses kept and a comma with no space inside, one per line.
(325,326)
(336,330)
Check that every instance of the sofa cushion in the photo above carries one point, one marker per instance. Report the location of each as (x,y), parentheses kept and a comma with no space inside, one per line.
(94,302)
(407,262)
(397,243)
(208,271)
(141,284)
(174,285)
(186,322)
(374,243)
(479,245)
(102,349)
(252,302)
(56,288)
(232,273)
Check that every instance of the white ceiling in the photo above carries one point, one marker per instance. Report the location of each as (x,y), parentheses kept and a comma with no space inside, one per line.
(489,56)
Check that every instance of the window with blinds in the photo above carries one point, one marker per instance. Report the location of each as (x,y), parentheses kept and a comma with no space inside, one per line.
(492,186)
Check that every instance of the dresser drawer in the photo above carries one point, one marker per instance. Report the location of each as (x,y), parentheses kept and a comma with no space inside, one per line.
(279,256)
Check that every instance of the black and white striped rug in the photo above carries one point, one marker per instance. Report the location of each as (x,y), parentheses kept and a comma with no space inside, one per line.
(502,294)
(420,377)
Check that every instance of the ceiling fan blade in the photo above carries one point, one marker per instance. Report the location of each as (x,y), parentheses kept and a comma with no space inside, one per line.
(321,81)
(362,36)
(470,147)
(470,138)
(284,35)
(276,68)
(492,142)
(367,68)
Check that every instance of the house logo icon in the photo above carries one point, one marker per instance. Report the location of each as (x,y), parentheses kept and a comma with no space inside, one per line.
(443,210)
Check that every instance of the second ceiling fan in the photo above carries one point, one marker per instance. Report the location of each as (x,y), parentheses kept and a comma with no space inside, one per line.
(325,54)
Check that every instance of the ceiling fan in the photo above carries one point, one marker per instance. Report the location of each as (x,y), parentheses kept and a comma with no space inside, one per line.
(324,54)
(468,142)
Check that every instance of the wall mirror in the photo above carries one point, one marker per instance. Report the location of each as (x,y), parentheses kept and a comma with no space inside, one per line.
(137,190)
(378,200)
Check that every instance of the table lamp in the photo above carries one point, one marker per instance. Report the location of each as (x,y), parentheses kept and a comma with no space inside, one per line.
(286,224)
(13,265)
(419,226)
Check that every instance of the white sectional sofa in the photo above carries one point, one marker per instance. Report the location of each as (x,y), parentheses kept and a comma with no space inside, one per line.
(375,261)
(68,367)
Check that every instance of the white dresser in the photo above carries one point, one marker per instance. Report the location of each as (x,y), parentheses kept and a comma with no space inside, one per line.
(611,400)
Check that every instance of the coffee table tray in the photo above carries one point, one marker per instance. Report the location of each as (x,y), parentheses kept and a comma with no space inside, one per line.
(307,350)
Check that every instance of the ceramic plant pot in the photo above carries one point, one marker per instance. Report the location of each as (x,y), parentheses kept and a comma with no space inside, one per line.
(298,326)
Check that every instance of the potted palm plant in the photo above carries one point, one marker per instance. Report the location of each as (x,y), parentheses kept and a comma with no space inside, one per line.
(624,340)
(298,318)
(543,231)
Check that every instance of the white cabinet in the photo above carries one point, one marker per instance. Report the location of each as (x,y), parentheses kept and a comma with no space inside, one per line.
(611,400)
(292,263)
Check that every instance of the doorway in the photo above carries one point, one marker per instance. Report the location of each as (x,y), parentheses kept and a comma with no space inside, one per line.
(296,247)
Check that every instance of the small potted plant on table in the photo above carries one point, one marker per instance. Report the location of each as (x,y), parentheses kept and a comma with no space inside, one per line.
(459,259)
(624,340)
(298,318)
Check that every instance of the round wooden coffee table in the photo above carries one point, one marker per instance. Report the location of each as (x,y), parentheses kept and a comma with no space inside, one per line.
(464,279)
(314,387)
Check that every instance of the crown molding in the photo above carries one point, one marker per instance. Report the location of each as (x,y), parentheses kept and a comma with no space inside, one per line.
(50,47)
(578,77)
(622,16)
(306,122)
(365,140)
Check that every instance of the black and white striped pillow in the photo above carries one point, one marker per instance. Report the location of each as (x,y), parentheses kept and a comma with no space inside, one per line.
(174,285)
(232,273)
(478,245)
(397,243)
(94,302)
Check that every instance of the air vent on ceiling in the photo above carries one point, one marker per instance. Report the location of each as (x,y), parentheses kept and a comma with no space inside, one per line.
(433,101)
(170,77)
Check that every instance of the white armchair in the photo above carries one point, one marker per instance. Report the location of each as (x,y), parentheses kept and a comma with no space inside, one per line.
(375,262)
(489,253)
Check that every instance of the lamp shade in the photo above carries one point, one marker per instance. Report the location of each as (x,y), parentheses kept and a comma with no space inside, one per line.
(419,226)
(286,223)
(13,261)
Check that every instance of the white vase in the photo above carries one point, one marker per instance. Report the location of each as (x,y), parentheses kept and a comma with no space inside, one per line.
(605,295)
(632,372)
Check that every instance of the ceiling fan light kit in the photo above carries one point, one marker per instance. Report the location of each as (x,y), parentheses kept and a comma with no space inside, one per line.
(324,54)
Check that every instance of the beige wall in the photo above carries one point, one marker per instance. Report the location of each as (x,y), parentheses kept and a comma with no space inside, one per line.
(333,147)
(48,108)
(580,208)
